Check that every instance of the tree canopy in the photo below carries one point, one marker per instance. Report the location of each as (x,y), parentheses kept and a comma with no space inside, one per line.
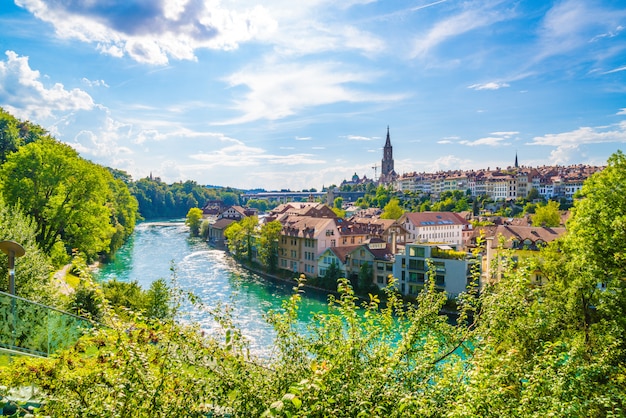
(194,221)
(547,215)
(67,196)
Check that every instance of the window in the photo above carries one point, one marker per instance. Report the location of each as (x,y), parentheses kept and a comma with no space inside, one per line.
(416,264)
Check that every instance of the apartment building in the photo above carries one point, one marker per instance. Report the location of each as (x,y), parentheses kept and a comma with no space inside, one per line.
(445,227)
(451,269)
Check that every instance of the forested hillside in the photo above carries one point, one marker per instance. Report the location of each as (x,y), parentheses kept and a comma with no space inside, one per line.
(161,200)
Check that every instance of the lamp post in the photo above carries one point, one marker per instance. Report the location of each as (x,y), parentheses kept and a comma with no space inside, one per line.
(12,249)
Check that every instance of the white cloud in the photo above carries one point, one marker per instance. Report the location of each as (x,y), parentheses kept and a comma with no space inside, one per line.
(454,26)
(448,162)
(615,70)
(303,138)
(584,135)
(153,32)
(235,153)
(359,138)
(95,83)
(497,139)
(492,141)
(622,111)
(488,86)
(505,134)
(299,86)
(24,94)
(573,24)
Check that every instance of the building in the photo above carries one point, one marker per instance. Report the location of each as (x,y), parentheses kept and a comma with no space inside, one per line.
(442,227)
(504,242)
(387,172)
(451,269)
(350,260)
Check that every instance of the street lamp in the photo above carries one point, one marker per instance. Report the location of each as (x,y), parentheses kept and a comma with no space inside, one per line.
(12,249)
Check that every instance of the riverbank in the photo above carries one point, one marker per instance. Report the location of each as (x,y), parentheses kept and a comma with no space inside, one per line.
(450,313)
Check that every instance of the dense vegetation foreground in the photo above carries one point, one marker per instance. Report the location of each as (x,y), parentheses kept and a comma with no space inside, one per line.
(517,349)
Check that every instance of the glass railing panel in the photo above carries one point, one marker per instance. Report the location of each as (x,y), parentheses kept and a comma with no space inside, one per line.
(33,328)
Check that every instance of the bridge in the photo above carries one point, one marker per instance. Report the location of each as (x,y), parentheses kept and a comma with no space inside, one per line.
(282,196)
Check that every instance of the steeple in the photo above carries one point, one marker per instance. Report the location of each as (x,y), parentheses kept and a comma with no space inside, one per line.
(388,142)
(386,167)
(516,164)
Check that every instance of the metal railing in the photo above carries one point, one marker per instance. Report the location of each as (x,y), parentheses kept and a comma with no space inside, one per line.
(31,328)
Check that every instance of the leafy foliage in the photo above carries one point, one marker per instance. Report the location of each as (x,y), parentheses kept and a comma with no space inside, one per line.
(70,199)
(547,215)
(392,210)
(194,221)
(268,244)
(32,271)
(240,236)
(158,199)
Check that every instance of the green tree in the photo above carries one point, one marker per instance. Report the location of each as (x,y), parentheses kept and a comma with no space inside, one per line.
(392,210)
(268,244)
(338,203)
(240,236)
(333,273)
(159,301)
(128,295)
(533,194)
(194,221)
(32,271)
(64,194)
(365,277)
(547,215)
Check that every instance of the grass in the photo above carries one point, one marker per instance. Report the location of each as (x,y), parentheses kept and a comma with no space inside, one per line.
(72,280)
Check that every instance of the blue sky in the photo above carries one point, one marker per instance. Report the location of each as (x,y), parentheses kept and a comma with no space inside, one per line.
(290,94)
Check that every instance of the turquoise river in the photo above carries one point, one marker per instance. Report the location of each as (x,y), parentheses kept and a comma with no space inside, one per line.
(156,248)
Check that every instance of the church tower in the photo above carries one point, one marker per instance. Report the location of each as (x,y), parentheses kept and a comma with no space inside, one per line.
(386,169)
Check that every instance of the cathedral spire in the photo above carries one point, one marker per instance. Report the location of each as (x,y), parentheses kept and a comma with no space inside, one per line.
(516,164)
(386,168)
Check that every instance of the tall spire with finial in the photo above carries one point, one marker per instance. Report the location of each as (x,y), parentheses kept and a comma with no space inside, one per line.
(516,164)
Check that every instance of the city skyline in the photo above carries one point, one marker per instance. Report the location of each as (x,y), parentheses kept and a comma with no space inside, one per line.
(289,95)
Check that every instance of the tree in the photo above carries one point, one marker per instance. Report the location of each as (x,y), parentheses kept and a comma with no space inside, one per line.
(338,203)
(547,215)
(32,271)
(240,237)
(533,194)
(66,195)
(365,276)
(333,272)
(268,244)
(159,300)
(392,210)
(194,221)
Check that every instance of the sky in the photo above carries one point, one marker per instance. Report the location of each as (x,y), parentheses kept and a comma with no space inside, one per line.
(283,94)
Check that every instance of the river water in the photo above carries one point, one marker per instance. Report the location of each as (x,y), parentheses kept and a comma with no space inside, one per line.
(157,249)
